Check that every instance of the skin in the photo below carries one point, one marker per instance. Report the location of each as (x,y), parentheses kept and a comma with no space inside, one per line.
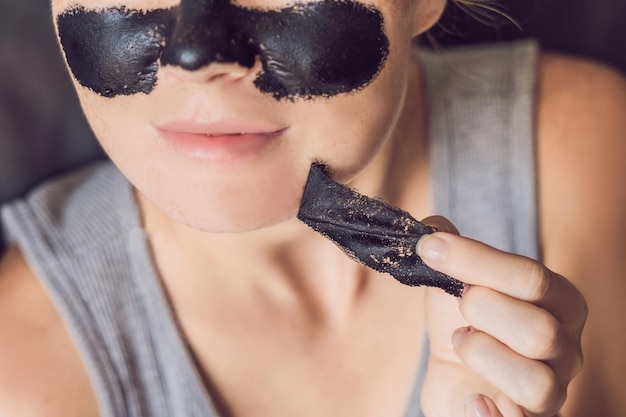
(268,191)
(314,320)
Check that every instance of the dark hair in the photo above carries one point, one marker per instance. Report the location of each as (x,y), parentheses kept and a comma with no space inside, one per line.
(469,21)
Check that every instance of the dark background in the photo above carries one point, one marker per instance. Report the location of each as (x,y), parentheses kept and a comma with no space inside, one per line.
(592,28)
(39,110)
(38,107)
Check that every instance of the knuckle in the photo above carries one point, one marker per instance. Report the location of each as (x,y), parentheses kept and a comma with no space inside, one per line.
(545,392)
(577,363)
(536,281)
(584,310)
(578,304)
(543,340)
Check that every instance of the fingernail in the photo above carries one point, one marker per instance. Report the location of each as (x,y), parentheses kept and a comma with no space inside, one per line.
(432,248)
(475,406)
(459,335)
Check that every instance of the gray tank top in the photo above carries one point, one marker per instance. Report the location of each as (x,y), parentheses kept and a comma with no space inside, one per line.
(82,234)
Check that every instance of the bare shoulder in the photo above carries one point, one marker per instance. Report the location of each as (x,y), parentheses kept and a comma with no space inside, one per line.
(562,69)
(40,371)
(581,142)
(582,98)
(581,145)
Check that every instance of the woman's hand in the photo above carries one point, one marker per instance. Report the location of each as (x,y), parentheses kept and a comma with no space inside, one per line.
(511,344)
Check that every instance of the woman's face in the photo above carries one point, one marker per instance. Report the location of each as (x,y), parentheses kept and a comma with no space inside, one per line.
(215,109)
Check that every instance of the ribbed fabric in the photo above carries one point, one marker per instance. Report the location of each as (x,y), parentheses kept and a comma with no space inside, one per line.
(82,234)
(483,152)
(481,104)
(83,237)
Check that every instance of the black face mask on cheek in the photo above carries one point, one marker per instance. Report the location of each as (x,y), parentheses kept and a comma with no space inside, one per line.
(308,50)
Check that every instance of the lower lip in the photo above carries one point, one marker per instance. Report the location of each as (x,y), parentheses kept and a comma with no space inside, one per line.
(224,148)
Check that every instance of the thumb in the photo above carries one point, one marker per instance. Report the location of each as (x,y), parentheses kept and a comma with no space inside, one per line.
(441,223)
(481,406)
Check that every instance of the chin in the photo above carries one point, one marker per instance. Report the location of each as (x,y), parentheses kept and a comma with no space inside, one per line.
(236,221)
(225,204)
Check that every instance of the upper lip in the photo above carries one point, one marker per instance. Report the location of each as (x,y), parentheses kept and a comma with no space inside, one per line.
(221,128)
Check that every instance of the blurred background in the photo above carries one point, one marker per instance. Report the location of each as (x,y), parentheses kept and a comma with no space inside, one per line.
(39,108)
(592,28)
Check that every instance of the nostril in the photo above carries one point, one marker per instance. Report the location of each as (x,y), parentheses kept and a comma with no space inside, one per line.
(206,32)
(193,54)
(195,72)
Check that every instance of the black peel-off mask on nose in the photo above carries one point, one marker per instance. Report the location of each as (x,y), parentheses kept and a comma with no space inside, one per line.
(309,50)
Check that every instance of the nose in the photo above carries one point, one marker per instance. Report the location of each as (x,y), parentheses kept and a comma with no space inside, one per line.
(212,72)
(206,32)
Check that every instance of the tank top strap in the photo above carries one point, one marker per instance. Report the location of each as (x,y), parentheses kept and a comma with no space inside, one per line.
(482,130)
(82,236)
(481,125)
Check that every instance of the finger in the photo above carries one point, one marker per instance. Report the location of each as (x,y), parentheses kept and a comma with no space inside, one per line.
(520,277)
(530,384)
(482,406)
(441,223)
(507,407)
(525,328)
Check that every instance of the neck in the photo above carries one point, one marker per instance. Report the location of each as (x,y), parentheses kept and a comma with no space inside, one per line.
(286,265)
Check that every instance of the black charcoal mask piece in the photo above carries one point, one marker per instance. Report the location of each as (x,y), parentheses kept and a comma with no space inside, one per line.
(370,231)
(309,50)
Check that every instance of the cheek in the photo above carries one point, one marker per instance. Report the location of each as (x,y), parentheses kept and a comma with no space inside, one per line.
(330,49)
(121,125)
(351,129)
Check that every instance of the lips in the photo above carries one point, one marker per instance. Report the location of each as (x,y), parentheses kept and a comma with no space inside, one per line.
(224,141)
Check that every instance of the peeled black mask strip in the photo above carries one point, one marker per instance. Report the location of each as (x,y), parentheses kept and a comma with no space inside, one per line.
(372,232)
(308,50)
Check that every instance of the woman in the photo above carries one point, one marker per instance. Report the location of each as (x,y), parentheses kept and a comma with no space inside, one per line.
(197,291)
